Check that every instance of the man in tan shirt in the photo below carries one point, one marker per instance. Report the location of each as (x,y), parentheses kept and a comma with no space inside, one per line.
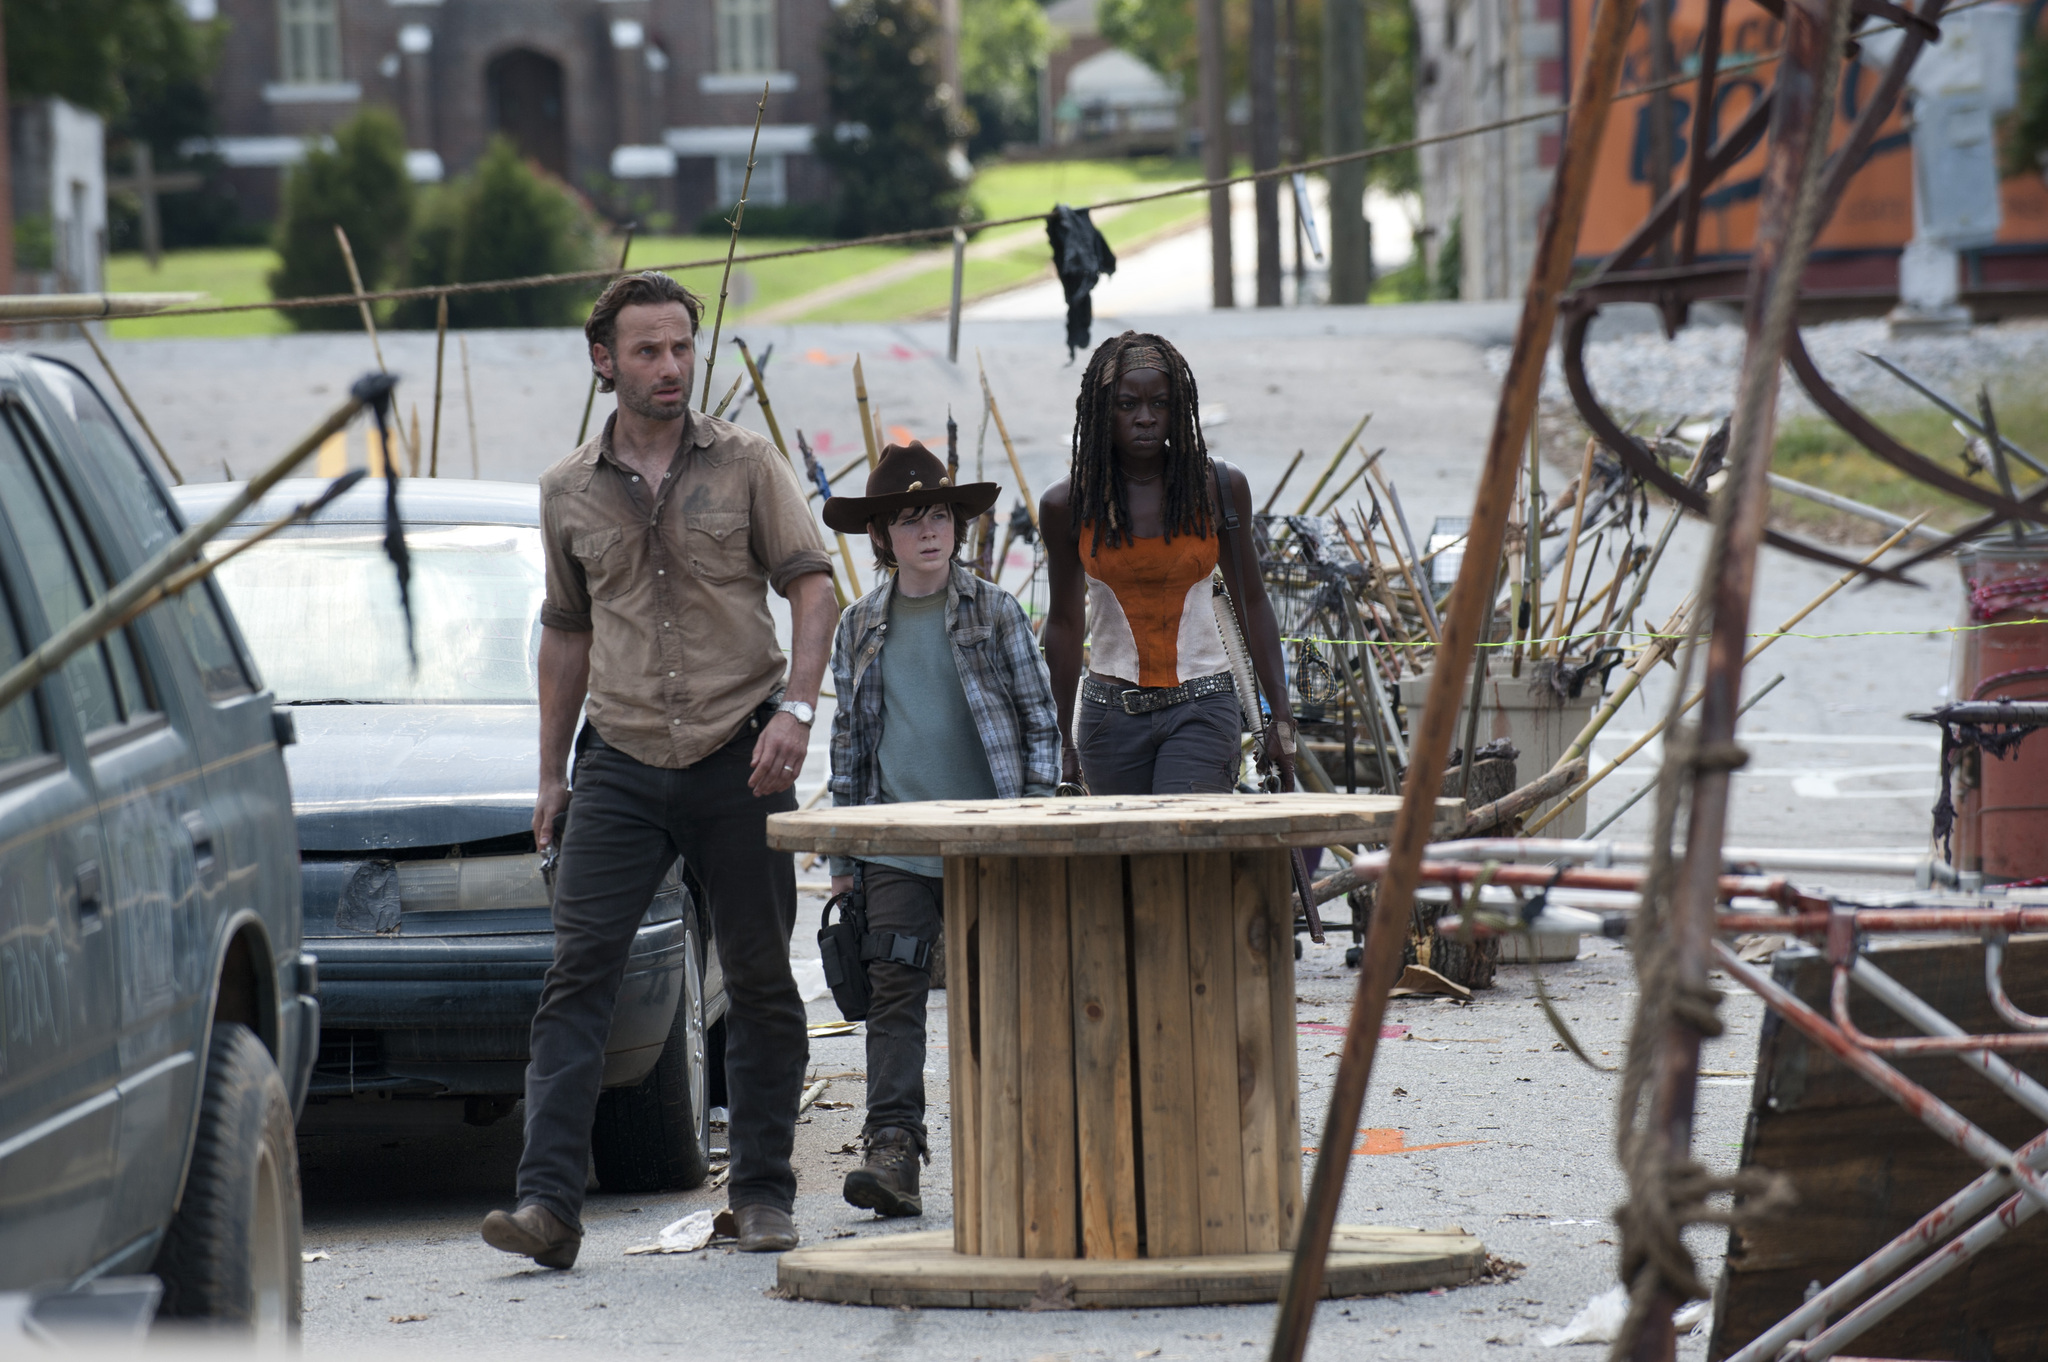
(663,537)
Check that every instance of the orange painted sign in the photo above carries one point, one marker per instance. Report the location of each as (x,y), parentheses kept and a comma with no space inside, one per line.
(1875,217)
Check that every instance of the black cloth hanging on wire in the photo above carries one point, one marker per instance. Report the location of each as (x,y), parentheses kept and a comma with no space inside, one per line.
(1080,256)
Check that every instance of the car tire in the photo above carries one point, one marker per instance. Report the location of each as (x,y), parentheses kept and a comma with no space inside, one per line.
(231,1254)
(656,1135)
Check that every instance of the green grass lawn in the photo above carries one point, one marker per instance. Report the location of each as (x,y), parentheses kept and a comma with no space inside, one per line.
(1816,452)
(230,275)
(239,275)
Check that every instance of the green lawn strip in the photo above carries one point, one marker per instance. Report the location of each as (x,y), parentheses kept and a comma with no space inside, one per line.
(232,275)
(931,292)
(770,281)
(1007,190)
(1816,452)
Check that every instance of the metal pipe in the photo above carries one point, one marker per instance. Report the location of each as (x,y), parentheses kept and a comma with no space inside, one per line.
(1939,1117)
(1638,853)
(1838,1001)
(1852,507)
(1931,1228)
(1994,984)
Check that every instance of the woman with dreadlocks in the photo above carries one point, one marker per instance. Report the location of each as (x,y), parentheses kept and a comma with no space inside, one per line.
(1133,536)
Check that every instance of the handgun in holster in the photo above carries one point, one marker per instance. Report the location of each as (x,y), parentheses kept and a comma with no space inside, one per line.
(847,946)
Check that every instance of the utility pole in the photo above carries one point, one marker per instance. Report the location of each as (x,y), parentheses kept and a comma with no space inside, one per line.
(1266,147)
(1211,76)
(1344,131)
(1290,147)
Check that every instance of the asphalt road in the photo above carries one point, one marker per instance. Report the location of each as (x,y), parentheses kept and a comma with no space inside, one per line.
(1521,1133)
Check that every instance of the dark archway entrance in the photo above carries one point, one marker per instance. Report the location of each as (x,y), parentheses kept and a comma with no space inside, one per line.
(525,91)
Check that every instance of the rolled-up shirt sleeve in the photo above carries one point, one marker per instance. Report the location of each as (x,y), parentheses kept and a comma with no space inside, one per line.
(567,602)
(786,539)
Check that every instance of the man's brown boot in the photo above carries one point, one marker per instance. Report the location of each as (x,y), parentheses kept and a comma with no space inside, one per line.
(534,1232)
(763,1229)
(886,1182)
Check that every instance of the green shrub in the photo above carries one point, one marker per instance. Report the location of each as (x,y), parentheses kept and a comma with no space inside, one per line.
(362,186)
(504,220)
(778,220)
(891,130)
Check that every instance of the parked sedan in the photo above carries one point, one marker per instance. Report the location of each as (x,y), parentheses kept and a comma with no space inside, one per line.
(413,786)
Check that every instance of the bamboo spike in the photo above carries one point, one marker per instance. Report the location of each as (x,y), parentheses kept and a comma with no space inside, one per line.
(1023,488)
(1635,595)
(355,279)
(1352,481)
(739,212)
(106,614)
(440,364)
(476,467)
(1606,593)
(133,410)
(1426,603)
(730,394)
(1331,467)
(1415,590)
(590,397)
(1281,485)
(867,425)
(857,461)
(761,396)
(1571,549)
(1585,738)
(853,591)
(412,453)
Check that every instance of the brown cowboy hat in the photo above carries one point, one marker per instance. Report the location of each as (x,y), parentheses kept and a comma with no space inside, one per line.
(907,475)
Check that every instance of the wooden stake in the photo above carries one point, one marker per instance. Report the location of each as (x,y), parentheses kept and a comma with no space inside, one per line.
(761,396)
(730,394)
(1473,595)
(1414,587)
(1352,481)
(1281,485)
(867,425)
(355,279)
(476,468)
(732,246)
(440,359)
(1023,488)
(590,397)
(128,398)
(412,454)
(853,590)
(1571,550)
(1337,458)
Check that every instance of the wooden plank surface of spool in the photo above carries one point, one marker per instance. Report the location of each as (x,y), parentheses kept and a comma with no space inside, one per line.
(1251,879)
(1046,1040)
(963,973)
(1163,1031)
(1097,825)
(1286,1064)
(1212,1003)
(1002,1063)
(1102,1059)
(920,1269)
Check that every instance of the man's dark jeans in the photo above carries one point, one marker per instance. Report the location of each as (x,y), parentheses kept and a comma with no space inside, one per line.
(908,905)
(627,824)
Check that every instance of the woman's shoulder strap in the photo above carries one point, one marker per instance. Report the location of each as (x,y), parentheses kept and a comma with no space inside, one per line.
(1225,503)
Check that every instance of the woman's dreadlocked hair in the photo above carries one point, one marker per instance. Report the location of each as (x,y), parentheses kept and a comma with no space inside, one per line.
(1095,482)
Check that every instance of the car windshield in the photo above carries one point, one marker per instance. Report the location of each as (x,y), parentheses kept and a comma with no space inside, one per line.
(319,607)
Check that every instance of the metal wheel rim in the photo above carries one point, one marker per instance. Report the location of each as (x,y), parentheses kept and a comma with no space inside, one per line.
(269,1247)
(699,1077)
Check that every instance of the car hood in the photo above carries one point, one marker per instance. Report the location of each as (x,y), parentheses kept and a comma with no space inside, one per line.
(372,777)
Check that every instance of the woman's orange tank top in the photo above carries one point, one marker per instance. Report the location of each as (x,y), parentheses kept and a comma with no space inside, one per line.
(1152,610)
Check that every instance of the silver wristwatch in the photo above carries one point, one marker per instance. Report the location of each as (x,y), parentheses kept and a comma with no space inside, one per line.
(798,710)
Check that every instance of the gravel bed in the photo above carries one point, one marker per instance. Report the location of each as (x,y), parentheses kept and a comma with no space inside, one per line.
(1642,373)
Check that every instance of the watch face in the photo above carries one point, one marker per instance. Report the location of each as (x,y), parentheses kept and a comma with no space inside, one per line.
(802,712)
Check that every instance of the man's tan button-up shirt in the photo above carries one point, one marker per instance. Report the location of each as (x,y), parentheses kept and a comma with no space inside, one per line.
(671,582)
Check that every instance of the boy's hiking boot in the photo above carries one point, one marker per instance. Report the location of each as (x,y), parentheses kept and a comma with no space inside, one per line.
(886,1182)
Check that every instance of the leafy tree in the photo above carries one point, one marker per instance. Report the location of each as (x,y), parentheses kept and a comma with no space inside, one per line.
(2025,150)
(362,186)
(103,55)
(1003,46)
(889,146)
(1162,32)
(504,220)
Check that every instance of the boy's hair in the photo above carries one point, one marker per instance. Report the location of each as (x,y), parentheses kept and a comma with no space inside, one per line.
(632,290)
(885,552)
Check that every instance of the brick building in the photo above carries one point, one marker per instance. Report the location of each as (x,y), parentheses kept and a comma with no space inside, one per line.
(622,98)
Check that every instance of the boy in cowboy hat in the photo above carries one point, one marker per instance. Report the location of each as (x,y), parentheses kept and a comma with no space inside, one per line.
(957,705)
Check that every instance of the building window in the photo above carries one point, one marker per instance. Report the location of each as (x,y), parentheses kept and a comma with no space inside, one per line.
(771,181)
(309,35)
(746,35)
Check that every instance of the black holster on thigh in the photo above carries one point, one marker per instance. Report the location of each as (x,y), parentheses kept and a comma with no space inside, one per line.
(847,946)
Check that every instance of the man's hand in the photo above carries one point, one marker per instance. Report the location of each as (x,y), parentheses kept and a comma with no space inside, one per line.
(779,756)
(554,797)
(1070,766)
(842,884)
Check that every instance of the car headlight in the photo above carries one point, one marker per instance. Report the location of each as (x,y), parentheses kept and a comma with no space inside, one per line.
(471,882)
